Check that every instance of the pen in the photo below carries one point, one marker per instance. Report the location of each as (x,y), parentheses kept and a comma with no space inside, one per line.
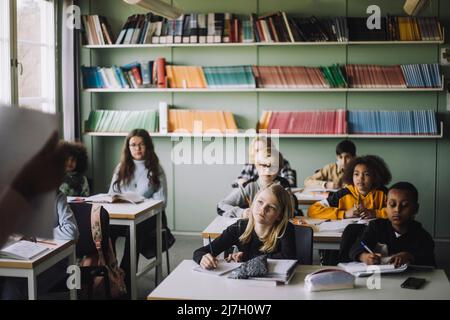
(366,247)
(210,246)
(47,242)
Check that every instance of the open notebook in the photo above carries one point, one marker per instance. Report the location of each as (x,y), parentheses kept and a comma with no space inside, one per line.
(360,269)
(131,197)
(223,267)
(23,250)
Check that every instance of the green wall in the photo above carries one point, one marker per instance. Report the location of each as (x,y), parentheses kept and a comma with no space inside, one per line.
(195,189)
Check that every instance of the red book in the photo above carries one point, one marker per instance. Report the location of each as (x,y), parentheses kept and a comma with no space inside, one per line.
(161,72)
(137,76)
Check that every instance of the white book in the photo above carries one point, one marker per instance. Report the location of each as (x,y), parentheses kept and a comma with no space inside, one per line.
(163,117)
(131,197)
(280,270)
(360,269)
(23,250)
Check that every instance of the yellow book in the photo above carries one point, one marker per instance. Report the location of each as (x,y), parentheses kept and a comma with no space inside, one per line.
(230,122)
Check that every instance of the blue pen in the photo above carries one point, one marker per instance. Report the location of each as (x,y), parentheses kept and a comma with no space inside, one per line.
(366,247)
(210,246)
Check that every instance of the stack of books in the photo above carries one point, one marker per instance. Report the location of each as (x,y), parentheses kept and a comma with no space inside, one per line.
(144,74)
(304,122)
(121,121)
(195,121)
(415,122)
(97,30)
(229,77)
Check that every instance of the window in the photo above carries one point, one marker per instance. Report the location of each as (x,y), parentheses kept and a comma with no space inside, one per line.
(32,52)
(5,58)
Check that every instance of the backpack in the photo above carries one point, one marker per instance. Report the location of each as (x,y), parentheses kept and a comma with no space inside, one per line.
(115,273)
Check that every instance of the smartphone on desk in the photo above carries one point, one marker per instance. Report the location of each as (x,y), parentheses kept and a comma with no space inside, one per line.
(413,283)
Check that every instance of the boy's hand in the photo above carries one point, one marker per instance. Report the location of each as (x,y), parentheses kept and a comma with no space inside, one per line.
(209,262)
(352,213)
(401,259)
(370,258)
(368,214)
(236,257)
(330,185)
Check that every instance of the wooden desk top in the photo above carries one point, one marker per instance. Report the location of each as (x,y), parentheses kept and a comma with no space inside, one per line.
(30,264)
(184,283)
(130,211)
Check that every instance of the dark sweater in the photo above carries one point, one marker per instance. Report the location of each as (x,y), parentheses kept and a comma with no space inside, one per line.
(416,241)
(285,248)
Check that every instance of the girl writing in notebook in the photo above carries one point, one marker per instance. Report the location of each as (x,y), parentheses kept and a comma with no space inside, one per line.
(266,231)
(139,171)
(364,195)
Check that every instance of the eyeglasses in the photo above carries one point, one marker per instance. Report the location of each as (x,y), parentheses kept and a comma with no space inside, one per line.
(139,145)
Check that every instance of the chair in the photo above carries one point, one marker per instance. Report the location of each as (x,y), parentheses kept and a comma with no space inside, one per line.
(349,237)
(304,244)
(86,246)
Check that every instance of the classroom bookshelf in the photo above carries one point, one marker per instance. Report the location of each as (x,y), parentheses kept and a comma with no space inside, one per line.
(306,153)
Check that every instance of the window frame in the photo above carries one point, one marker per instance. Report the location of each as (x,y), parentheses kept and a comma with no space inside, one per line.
(49,90)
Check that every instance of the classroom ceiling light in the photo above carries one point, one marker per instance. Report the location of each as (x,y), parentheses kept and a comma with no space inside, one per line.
(413,7)
(157,7)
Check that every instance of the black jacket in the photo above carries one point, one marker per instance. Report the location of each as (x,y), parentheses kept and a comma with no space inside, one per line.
(285,248)
(416,241)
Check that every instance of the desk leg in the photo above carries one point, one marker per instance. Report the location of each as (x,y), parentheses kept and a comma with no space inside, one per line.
(133,265)
(72,262)
(158,269)
(32,286)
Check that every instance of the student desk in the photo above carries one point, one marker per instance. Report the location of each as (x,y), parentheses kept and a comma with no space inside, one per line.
(184,283)
(128,214)
(322,240)
(30,269)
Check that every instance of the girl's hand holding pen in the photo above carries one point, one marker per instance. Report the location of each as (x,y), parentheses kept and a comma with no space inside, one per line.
(209,262)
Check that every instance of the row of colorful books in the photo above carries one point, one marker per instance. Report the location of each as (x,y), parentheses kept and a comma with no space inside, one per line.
(393,28)
(134,75)
(414,122)
(177,121)
(397,76)
(380,122)
(158,74)
(275,27)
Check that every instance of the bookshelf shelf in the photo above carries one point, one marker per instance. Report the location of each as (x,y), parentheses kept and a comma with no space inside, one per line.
(143,90)
(261,44)
(281,136)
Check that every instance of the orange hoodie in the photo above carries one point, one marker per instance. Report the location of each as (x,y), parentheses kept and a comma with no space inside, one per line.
(337,203)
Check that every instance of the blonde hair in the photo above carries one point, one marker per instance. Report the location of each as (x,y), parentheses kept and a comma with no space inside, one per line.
(279,227)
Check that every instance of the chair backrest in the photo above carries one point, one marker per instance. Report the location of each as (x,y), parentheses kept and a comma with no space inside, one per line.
(295,178)
(304,244)
(350,235)
(85,244)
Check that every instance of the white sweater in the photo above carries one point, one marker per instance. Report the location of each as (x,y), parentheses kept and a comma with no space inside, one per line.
(141,184)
